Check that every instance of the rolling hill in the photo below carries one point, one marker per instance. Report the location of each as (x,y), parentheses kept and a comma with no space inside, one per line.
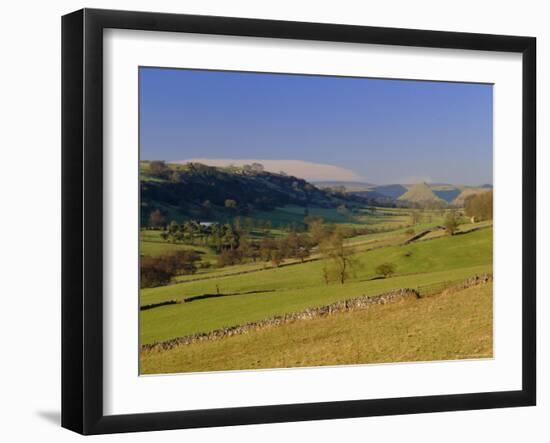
(446,192)
(420,193)
(196,190)
(383,194)
(391,191)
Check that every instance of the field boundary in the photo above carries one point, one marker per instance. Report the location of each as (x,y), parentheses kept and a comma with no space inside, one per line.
(453,286)
(308,260)
(353,304)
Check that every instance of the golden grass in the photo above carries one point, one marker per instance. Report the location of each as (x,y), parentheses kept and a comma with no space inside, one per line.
(447,326)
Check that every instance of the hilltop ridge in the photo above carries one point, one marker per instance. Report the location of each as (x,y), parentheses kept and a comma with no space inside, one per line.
(420,193)
(195,190)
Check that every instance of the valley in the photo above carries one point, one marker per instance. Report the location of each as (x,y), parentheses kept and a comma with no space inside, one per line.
(224,247)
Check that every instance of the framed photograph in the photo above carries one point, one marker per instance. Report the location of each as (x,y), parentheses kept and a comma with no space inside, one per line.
(269,221)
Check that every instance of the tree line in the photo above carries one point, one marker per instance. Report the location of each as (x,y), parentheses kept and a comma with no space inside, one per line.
(195,187)
(234,246)
(479,206)
(158,271)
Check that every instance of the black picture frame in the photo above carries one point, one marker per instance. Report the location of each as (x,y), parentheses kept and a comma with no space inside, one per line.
(82,218)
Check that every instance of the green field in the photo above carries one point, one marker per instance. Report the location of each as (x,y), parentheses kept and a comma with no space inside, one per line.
(296,287)
(151,244)
(375,218)
(456,325)
(436,327)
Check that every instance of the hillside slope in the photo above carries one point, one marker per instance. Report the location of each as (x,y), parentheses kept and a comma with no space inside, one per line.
(446,326)
(391,191)
(197,190)
(446,192)
(420,193)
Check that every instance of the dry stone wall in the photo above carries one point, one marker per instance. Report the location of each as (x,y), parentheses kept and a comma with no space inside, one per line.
(353,304)
(468,283)
(307,314)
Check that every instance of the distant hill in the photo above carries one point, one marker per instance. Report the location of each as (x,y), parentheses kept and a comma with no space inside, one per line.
(200,191)
(425,192)
(446,192)
(374,197)
(391,191)
(420,193)
(194,190)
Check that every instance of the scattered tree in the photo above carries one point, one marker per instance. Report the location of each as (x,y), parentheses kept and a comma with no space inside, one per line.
(158,168)
(157,271)
(451,222)
(415,217)
(277,256)
(152,273)
(175,177)
(326,274)
(479,206)
(229,257)
(317,228)
(257,167)
(156,219)
(340,259)
(231,205)
(386,269)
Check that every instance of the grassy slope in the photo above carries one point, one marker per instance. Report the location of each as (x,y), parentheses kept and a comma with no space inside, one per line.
(300,286)
(295,214)
(446,326)
(419,193)
(152,245)
(379,219)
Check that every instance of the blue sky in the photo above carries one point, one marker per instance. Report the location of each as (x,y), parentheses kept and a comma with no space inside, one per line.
(375,130)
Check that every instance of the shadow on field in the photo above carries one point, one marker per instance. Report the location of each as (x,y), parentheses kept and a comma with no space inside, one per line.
(204,296)
(377,277)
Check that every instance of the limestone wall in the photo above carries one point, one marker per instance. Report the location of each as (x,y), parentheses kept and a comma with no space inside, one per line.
(353,304)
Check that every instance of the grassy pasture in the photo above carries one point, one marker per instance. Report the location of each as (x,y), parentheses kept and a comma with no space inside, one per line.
(462,229)
(296,214)
(380,218)
(152,245)
(442,327)
(442,254)
(297,287)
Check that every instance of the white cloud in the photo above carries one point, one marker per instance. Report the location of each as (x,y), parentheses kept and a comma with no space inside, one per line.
(298,168)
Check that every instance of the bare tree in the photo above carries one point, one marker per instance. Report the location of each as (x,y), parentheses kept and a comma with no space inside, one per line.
(340,259)
(451,222)
(415,216)
(156,219)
